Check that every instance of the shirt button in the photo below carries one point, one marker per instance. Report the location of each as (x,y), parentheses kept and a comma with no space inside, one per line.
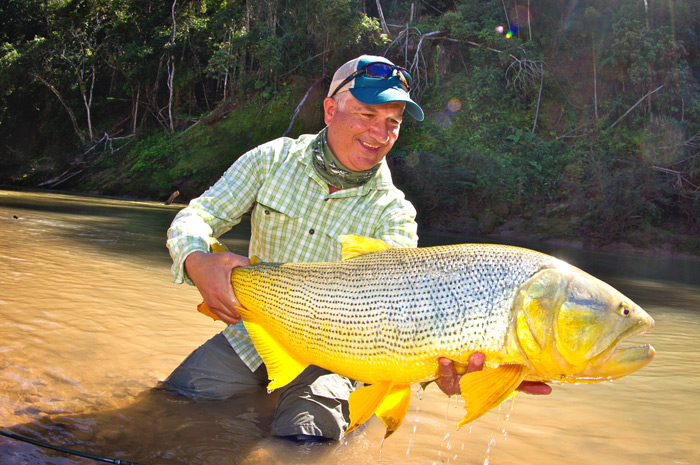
(267,212)
(311,231)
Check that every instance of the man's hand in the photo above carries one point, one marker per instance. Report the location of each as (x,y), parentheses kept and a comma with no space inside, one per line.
(448,382)
(211,273)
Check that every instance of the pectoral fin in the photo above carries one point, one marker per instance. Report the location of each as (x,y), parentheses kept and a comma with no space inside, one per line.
(352,245)
(393,408)
(216,246)
(203,308)
(282,368)
(365,401)
(483,390)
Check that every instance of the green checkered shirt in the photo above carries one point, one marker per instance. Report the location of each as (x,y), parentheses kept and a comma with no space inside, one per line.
(294,217)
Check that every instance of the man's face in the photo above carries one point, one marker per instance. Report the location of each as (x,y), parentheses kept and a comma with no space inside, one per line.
(361,135)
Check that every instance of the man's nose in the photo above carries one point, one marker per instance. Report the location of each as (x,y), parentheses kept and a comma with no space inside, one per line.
(380,132)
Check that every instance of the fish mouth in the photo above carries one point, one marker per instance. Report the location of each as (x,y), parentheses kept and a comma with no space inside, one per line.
(617,362)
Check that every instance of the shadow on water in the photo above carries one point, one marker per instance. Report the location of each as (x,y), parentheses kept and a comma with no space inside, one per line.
(115,226)
(601,264)
(163,428)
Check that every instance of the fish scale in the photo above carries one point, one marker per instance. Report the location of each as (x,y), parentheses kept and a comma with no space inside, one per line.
(358,318)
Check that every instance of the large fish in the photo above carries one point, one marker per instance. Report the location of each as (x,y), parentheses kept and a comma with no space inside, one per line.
(384,316)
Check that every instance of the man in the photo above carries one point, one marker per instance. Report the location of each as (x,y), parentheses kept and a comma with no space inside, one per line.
(303,194)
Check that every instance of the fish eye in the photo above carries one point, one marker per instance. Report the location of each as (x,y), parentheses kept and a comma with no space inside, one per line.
(625,310)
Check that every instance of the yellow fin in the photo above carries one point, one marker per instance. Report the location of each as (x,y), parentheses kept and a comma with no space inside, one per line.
(358,245)
(364,401)
(217,246)
(281,366)
(483,390)
(203,308)
(393,408)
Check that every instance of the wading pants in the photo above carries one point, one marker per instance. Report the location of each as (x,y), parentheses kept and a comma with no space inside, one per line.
(314,404)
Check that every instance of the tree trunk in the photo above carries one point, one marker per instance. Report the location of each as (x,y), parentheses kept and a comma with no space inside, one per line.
(595,82)
(385,28)
(71,115)
(135,110)
(171,73)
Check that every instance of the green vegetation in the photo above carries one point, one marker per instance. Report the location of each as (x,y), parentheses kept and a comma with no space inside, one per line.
(584,124)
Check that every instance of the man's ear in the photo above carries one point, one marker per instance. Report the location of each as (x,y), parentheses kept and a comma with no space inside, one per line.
(330,107)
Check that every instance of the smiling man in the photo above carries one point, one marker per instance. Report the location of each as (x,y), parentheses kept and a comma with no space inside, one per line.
(302,194)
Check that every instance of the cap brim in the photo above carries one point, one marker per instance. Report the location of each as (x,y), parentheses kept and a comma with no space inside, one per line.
(378,96)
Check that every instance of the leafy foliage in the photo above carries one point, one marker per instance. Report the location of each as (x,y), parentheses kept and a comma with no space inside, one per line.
(583,121)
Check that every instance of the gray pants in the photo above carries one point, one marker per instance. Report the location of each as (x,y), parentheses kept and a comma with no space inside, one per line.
(314,404)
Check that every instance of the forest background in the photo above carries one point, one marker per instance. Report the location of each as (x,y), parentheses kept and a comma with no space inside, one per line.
(573,120)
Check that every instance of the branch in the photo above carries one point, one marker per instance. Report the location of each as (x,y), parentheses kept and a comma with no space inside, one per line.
(539,98)
(385,28)
(525,71)
(301,104)
(566,134)
(73,119)
(679,177)
(694,141)
(633,106)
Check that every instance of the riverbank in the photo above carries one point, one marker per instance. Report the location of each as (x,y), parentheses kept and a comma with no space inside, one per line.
(518,231)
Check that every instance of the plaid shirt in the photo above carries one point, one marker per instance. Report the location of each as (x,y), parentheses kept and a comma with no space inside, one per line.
(294,217)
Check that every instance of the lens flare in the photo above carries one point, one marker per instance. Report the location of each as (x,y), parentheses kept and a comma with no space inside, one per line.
(443,119)
(454,105)
(412,160)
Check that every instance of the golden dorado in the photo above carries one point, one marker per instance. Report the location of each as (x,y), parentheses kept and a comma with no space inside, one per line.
(384,316)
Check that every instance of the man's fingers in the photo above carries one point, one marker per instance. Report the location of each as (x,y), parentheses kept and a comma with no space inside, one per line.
(476,362)
(535,388)
(227,313)
(448,382)
(447,368)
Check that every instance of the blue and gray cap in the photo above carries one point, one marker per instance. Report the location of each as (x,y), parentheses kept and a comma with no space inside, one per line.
(374,84)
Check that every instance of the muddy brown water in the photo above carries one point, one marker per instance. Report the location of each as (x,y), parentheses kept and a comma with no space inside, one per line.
(90,321)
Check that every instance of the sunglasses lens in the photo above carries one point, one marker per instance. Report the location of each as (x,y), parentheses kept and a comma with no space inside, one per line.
(404,76)
(379,70)
(385,71)
(405,79)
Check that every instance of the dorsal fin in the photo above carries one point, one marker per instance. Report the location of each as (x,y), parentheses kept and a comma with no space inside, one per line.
(359,245)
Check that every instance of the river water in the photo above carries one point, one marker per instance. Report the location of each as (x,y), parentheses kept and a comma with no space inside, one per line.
(90,321)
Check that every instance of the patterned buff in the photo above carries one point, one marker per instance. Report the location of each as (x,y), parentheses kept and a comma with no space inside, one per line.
(332,171)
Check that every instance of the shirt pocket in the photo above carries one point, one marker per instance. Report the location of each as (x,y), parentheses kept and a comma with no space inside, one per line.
(276,218)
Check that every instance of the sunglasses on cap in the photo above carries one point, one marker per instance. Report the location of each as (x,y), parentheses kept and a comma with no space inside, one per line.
(380,70)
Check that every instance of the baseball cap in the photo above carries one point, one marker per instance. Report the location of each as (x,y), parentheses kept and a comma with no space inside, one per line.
(374,90)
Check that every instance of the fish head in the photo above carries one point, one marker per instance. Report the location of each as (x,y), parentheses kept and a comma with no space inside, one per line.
(569,325)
